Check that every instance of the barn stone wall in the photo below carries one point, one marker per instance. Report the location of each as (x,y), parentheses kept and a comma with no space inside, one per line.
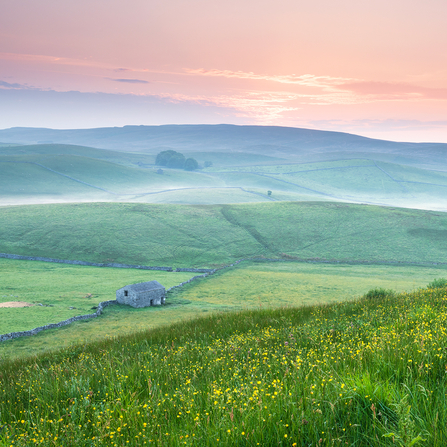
(136,299)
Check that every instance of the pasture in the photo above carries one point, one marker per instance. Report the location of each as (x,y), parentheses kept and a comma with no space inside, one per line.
(49,173)
(365,372)
(214,235)
(64,290)
(249,285)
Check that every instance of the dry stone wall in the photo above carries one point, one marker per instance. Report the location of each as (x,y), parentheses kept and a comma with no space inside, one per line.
(103,304)
(93,264)
(36,330)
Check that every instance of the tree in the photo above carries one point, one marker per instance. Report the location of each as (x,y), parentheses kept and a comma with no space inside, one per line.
(176,161)
(269,193)
(164,156)
(191,164)
(208,164)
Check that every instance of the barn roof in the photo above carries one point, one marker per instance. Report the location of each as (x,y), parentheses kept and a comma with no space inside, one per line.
(144,286)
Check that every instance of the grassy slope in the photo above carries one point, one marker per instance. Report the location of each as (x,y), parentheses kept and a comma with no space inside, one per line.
(250,285)
(17,176)
(267,284)
(350,180)
(61,287)
(219,234)
(361,180)
(362,373)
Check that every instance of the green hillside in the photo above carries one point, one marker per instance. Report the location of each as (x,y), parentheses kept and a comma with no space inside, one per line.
(71,175)
(350,180)
(219,234)
(361,373)
(64,290)
(67,173)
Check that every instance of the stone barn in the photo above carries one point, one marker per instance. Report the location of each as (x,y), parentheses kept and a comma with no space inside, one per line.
(143,294)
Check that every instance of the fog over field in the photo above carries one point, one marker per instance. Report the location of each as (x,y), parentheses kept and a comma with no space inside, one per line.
(236,164)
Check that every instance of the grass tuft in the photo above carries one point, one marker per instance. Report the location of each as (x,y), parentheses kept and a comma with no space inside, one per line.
(437,283)
(379,292)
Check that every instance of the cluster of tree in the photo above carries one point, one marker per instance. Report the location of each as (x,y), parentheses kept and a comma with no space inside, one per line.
(173,159)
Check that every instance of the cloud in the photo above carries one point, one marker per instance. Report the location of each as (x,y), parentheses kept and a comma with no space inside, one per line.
(264,107)
(131,81)
(307,80)
(337,90)
(393,90)
(4,84)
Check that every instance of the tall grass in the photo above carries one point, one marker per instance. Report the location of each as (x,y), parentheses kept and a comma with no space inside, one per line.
(363,373)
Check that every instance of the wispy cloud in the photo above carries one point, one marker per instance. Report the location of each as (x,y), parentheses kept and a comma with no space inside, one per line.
(393,90)
(131,81)
(8,85)
(264,107)
(308,80)
(337,90)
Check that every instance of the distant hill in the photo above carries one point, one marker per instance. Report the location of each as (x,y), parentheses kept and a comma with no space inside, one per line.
(238,164)
(45,173)
(283,142)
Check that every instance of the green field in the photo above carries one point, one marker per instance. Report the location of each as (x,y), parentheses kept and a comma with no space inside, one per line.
(247,286)
(202,236)
(366,373)
(282,284)
(283,348)
(64,290)
(48,173)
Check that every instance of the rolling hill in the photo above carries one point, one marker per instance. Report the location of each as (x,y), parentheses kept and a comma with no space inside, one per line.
(48,173)
(283,142)
(205,236)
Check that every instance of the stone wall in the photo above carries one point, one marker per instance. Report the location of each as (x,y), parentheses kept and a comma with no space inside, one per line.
(93,264)
(102,305)
(36,330)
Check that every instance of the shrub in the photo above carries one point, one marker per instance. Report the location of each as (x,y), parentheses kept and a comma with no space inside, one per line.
(176,161)
(191,164)
(379,293)
(438,283)
(164,156)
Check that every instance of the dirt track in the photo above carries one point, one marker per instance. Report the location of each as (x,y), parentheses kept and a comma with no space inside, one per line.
(16,304)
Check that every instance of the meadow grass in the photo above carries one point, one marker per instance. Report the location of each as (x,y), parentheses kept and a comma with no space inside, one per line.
(248,286)
(64,290)
(123,158)
(367,372)
(277,284)
(204,196)
(211,235)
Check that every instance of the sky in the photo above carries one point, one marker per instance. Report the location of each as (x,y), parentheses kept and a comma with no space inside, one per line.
(377,69)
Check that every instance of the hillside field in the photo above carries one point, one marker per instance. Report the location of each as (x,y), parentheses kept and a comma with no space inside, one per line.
(64,290)
(367,372)
(213,235)
(248,286)
(58,173)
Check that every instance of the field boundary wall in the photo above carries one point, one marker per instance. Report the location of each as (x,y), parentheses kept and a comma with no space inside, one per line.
(205,273)
(101,306)
(92,264)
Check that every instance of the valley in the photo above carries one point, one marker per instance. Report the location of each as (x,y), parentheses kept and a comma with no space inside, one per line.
(327,305)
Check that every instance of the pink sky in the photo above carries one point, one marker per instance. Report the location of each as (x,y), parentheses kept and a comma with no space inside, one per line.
(377,68)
